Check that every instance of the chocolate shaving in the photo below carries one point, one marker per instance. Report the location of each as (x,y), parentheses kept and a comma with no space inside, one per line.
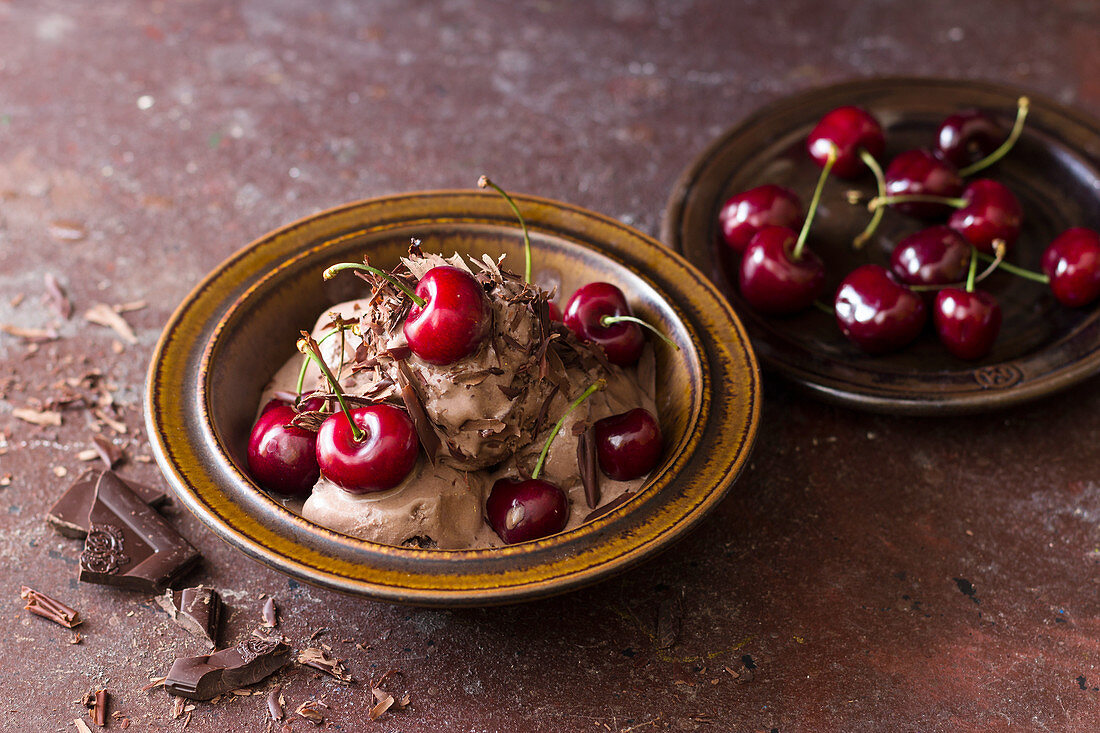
(414,248)
(43,605)
(58,300)
(104,315)
(544,410)
(31,335)
(110,453)
(99,708)
(509,391)
(310,710)
(270,614)
(586,464)
(487,424)
(197,610)
(275,703)
(45,418)
(201,678)
(610,506)
(320,660)
(397,353)
(429,440)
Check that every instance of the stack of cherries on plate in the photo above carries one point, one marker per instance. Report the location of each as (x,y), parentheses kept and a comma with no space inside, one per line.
(883,309)
(373,448)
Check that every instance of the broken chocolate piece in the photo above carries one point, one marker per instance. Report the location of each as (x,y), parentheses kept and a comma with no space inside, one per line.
(197,610)
(42,605)
(320,660)
(129,545)
(270,614)
(69,514)
(201,678)
(586,463)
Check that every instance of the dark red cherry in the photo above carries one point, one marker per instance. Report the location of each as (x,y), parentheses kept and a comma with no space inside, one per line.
(919,173)
(967,323)
(628,445)
(934,256)
(1072,262)
(282,457)
(850,129)
(746,213)
(555,311)
(455,319)
(584,314)
(875,312)
(380,461)
(772,280)
(990,212)
(519,511)
(967,137)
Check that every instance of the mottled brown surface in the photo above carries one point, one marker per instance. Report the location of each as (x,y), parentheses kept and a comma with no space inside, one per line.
(878,573)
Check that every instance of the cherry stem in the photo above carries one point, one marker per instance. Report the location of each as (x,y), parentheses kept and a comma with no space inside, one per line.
(309,347)
(973,270)
(880,201)
(331,273)
(612,320)
(797,252)
(302,372)
(823,308)
(1022,106)
(872,226)
(484,182)
(592,389)
(1018,271)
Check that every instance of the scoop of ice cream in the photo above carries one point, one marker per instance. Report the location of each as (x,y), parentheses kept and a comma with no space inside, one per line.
(434,507)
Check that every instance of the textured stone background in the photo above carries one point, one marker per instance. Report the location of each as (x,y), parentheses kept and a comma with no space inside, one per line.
(143,142)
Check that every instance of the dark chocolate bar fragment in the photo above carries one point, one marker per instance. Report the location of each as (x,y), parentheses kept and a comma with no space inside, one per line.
(69,514)
(130,545)
(198,610)
(201,678)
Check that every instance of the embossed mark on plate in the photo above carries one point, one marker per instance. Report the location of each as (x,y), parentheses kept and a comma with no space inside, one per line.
(104,549)
(1000,376)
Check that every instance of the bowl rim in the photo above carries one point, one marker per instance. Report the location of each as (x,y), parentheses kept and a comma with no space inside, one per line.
(190,454)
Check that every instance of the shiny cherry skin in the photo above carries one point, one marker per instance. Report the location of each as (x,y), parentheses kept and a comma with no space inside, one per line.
(1072,262)
(282,457)
(851,129)
(628,445)
(967,323)
(919,172)
(877,313)
(519,511)
(967,137)
(585,312)
(991,212)
(380,461)
(772,281)
(455,319)
(746,213)
(934,256)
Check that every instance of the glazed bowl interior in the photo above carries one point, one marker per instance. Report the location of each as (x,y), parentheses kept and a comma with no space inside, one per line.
(231,334)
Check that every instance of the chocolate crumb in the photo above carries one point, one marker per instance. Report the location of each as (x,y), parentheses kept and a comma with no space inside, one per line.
(310,710)
(669,614)
(43,605)
(58,300)
(320,660)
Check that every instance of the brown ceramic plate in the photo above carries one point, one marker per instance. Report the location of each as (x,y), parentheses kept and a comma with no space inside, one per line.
(229,335)
(1055,172)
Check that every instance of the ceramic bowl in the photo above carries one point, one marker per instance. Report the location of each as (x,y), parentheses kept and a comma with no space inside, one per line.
(231,333)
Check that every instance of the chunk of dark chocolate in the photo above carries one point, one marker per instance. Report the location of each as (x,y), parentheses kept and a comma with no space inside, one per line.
(69,514)
(201,678)
(197,610)
(129,544)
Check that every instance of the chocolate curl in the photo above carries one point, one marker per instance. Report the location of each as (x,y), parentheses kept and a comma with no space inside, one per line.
(586,463)
(42,605)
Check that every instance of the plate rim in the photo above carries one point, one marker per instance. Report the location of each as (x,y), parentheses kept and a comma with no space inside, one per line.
(173,354)
(927,404)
